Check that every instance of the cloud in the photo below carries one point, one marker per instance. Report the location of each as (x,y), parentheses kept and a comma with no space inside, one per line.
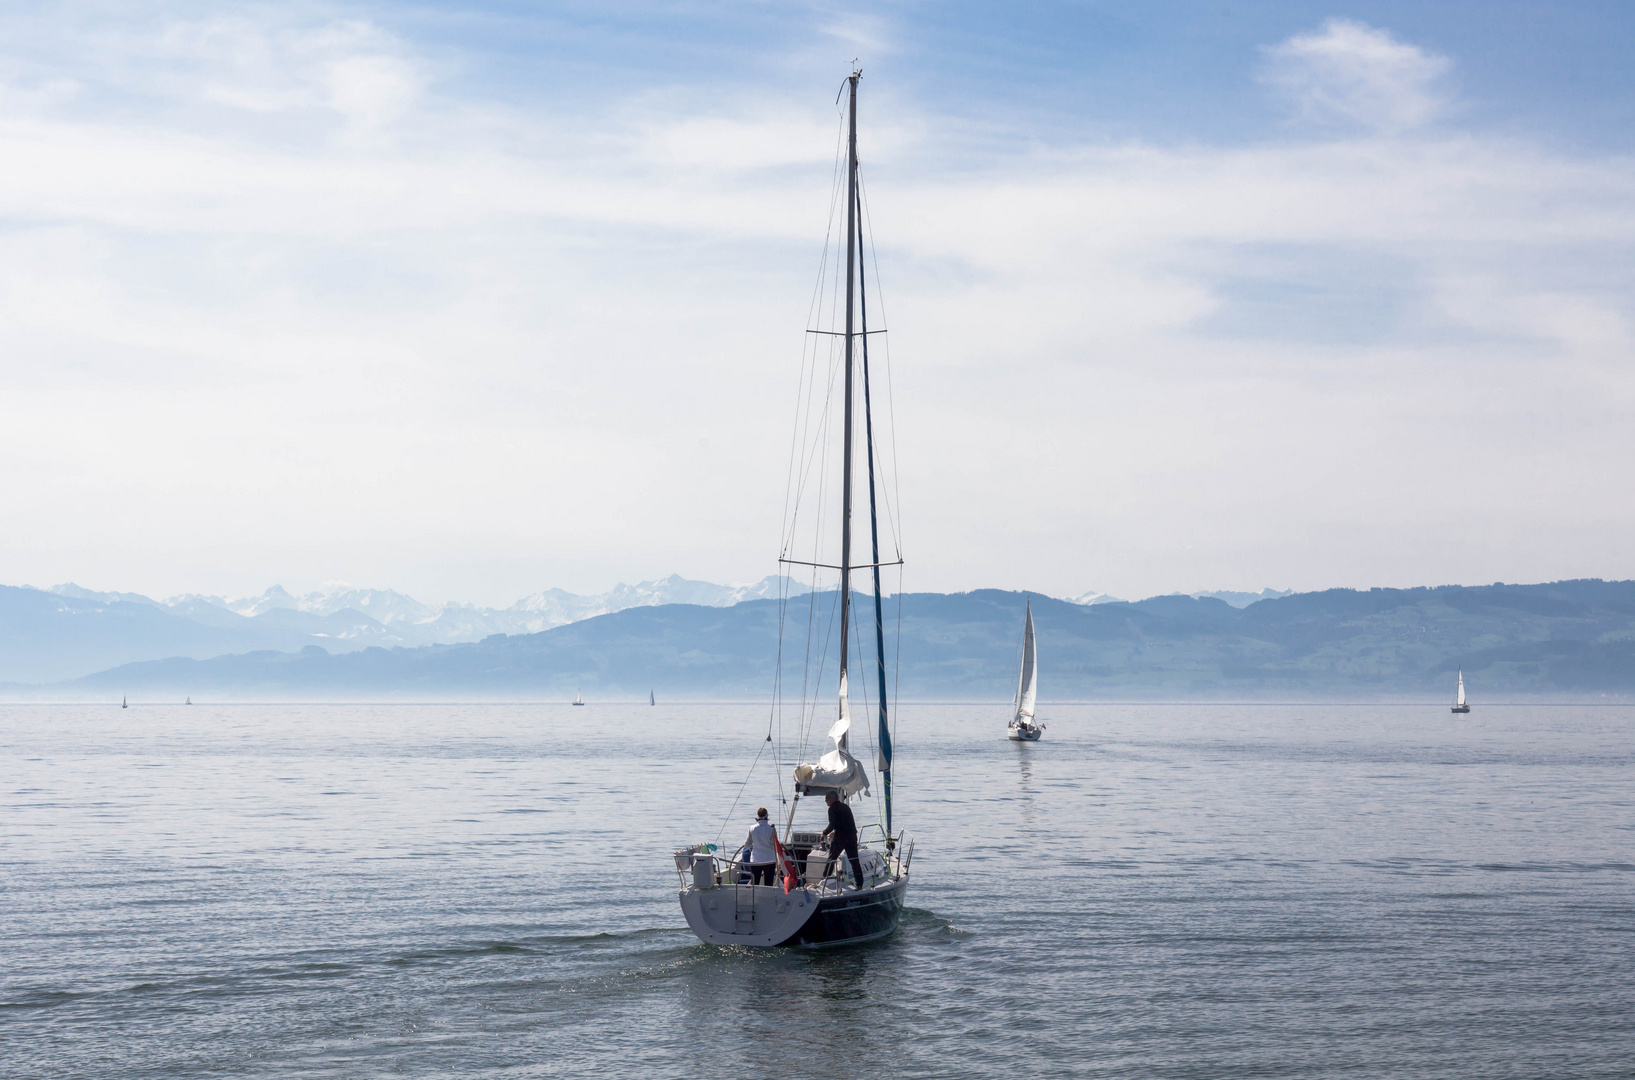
(1353,73)
(541,345)
(870,34)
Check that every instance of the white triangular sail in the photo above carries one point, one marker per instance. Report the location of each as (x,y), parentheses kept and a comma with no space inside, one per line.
(1027,683)
(1460,700)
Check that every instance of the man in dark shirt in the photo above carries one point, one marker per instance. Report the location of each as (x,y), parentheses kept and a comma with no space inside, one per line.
(842,834)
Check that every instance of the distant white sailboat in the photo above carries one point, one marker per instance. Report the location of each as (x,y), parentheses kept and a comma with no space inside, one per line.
(1459,698)
(578,699)
(1022,728)
(189,700)
(650,698)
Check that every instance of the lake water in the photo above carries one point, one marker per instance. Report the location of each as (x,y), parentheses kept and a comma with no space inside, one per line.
(487,890)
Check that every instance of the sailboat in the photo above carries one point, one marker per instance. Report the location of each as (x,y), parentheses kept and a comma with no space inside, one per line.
(819,900)
(578,698)
(124,702)
(650,699)
(189,700)
(1022,728)
(1459,697)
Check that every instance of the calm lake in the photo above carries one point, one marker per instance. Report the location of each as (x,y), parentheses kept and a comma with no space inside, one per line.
(486,890)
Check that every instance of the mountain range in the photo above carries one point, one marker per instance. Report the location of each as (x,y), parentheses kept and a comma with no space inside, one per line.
(1570,638)
(47,635)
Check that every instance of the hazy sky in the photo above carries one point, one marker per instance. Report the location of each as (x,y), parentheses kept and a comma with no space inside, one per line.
(474,301)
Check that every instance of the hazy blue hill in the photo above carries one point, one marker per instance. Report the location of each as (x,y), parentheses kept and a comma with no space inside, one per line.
(1573,638)
(103,631)
(46,637)
(51,636)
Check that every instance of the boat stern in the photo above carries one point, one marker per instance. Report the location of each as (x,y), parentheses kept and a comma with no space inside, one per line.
(722,910)
(756,915)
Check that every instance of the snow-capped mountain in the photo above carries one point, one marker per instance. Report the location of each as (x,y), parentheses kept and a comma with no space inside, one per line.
(344,616)
(383,605)
(69,589)
(1236,599)
(1093,597)
(554,607)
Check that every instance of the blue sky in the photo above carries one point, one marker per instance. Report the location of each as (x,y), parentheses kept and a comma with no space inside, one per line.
(474,301)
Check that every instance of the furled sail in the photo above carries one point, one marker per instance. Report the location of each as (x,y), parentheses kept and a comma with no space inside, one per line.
(837,769)
(1027,684)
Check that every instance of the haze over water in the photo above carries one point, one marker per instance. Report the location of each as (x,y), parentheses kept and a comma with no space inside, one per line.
(486,890)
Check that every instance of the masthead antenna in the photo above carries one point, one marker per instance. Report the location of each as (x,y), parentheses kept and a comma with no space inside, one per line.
(857,73)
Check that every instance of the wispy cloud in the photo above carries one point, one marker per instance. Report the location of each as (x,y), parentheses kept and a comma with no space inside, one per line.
(1352,72)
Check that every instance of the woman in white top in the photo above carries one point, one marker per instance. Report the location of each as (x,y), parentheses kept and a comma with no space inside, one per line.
(763,851)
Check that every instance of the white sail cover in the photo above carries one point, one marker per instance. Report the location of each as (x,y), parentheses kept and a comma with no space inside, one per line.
(1027,684)
(1461,698)
(837,769)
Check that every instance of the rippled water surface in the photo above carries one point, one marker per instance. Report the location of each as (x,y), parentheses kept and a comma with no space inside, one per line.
(486,890)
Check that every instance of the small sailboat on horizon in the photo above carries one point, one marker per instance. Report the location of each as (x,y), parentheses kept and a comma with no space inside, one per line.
(1459,704)
(650,699)
(578,698)
(124,702)
(1022,728)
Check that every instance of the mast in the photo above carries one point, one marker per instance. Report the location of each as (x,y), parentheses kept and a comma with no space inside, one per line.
(846,461)
(874,529)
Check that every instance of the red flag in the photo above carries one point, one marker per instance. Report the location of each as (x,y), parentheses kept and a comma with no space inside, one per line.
(788,865)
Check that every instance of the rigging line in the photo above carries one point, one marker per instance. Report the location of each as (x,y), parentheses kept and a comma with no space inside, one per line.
(883,750)
(868,703)
(806,663)
(808,443)
(897,668)
(867,221)
(891,394)
(792,486)
(728,819)
(777,685)
(796,438)
(868,707)
(823,655)
(777,689)
(818,454)
(813,315)
(806,670)
(791,478)
(811,449)
(832,566)
(801,467)
(807,716)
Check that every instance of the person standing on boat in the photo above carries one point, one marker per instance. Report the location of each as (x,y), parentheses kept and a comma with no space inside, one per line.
(763,849)
(842,834)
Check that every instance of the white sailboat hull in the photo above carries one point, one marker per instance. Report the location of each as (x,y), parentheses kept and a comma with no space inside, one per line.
(762,916)
(755,915)
(1016,733)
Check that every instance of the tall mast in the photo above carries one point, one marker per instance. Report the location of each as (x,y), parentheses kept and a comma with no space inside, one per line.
(846,465)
